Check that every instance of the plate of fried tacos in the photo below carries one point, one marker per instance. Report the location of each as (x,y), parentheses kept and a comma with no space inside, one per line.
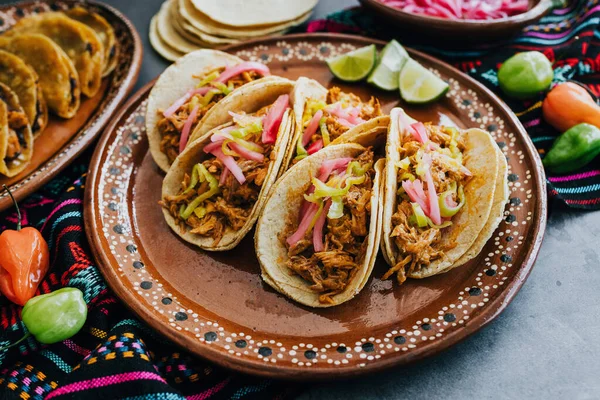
(64,68)
(280,222)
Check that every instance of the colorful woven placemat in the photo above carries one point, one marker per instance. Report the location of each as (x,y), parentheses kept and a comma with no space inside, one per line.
(117,357)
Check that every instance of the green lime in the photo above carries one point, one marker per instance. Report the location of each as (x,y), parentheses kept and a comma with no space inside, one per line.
(391,60)
(355,65)
(418,85)
(525,74)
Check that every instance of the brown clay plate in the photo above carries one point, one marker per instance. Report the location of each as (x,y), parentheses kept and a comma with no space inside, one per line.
(63,140)
(215,304)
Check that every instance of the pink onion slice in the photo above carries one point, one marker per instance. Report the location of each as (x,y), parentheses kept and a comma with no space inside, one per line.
(328,166)
(224,176)
(316,146)
(312,127)
(414,196)
(185,132)
(272,120)
(318,228)
(434,206)
(235,70)
(183,99)
(245,153)
(419,132)
(305,221)
(230,163)
(212,146)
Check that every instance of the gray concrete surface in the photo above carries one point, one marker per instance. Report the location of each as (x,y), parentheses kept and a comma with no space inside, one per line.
(546,345)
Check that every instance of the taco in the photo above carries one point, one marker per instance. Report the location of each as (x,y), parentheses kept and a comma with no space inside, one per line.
(16,140)
(440,189)
(24,81)
(78,40)
(318,236)
(57,74)
(322,116)
(186,92)
(105,33)
(217,186)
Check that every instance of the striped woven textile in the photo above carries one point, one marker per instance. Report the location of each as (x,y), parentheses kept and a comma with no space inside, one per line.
(569,37)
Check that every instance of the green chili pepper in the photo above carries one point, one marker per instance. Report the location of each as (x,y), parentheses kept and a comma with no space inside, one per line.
(208,79)
(573,149)
(324,131)
(54,317)
(300,150)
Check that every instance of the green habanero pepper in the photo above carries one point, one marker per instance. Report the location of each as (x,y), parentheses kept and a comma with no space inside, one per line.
(55,316)
(573,149)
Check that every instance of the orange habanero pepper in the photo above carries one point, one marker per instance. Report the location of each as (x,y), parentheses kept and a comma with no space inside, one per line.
(569,104)
(24,260)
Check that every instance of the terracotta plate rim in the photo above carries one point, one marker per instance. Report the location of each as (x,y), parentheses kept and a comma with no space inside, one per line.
(492,310)
(19,190)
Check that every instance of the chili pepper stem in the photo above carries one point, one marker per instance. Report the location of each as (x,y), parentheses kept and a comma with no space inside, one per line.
(16,206)
(27,335)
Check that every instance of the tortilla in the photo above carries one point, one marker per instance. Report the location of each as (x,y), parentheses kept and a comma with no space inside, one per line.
(173,83)
(283,206)
(24,81)
(192,155)
(248,98)
(191,31)
(201,23)
(481,158)
(57,74)
(168,33)
(254,13)
(105,33)
(78,40)
(159,45)
(11,110)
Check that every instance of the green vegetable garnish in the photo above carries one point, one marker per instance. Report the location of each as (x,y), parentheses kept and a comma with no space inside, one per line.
(324,131)
(202,176)
(420,219)
(208,79)
(574,149)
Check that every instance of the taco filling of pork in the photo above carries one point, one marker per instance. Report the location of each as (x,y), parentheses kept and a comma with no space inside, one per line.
(179,120)
(220,192)
(431,177)
(328,243)
(323,121)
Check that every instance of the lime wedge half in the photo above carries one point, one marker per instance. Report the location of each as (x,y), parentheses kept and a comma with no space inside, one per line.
(355,65)
(392,59)
(418,85)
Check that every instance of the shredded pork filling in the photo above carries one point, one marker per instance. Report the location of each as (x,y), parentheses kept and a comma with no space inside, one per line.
(170,127)
(330,271)
(419,246)
(17,122)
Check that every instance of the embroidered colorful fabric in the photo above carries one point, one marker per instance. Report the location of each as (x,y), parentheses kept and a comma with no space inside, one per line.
(569,37)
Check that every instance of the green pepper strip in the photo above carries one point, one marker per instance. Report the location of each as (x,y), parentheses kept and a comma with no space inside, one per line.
(324,131)
(447,211)
(420,219)
(213,184)
(300,150)
(209,96)
(336,210)
(574,149)
(208,79)
(222,88)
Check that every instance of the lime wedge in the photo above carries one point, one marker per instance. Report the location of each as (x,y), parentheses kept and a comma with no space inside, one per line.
(418,85)
(392,59)
(355,65)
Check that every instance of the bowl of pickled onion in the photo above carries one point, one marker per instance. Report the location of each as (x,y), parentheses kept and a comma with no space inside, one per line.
(468,21)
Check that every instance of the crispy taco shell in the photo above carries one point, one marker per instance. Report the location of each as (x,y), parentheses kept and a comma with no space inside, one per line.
(481,158)
(248,98)
(105,33)
(57,74)
(79,41)
(194,154)
(24,81)
(172,84)
(283,207)
(16,139)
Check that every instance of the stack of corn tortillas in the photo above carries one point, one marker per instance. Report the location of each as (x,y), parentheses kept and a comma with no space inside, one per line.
(182,26)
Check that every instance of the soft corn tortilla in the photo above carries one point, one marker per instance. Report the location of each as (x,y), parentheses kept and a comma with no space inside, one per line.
(10,102)
(481,158)
(307,88)
(105,33)
(159,44)
(283,206)
(191,34)
(168,33)
(24,81)
(249,98)
(79,41)
(194,154)
(253,13)
(58,77)
(173,83)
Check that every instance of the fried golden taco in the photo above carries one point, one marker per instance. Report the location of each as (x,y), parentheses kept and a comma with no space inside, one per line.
(444,194)
(186,92)
(323,115)
(24,81)
(16,140)
(217,186)
(318,236)
(78,40)
(57,74)
(105,33)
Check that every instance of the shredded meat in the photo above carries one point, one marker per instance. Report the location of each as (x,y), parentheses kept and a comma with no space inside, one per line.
(17,122)
(170,128)
(330,271)
(368,110)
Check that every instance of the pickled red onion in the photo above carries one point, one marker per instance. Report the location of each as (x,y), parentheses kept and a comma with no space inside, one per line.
(316,146)
(414,195)
(461,9)
(272,120)
(311,128)
(318,228)
(235,70)
(224,176)
(229,162)
(419,132)
(305,221)
(185,132)
(434,205)
(245,153)
(182,100)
